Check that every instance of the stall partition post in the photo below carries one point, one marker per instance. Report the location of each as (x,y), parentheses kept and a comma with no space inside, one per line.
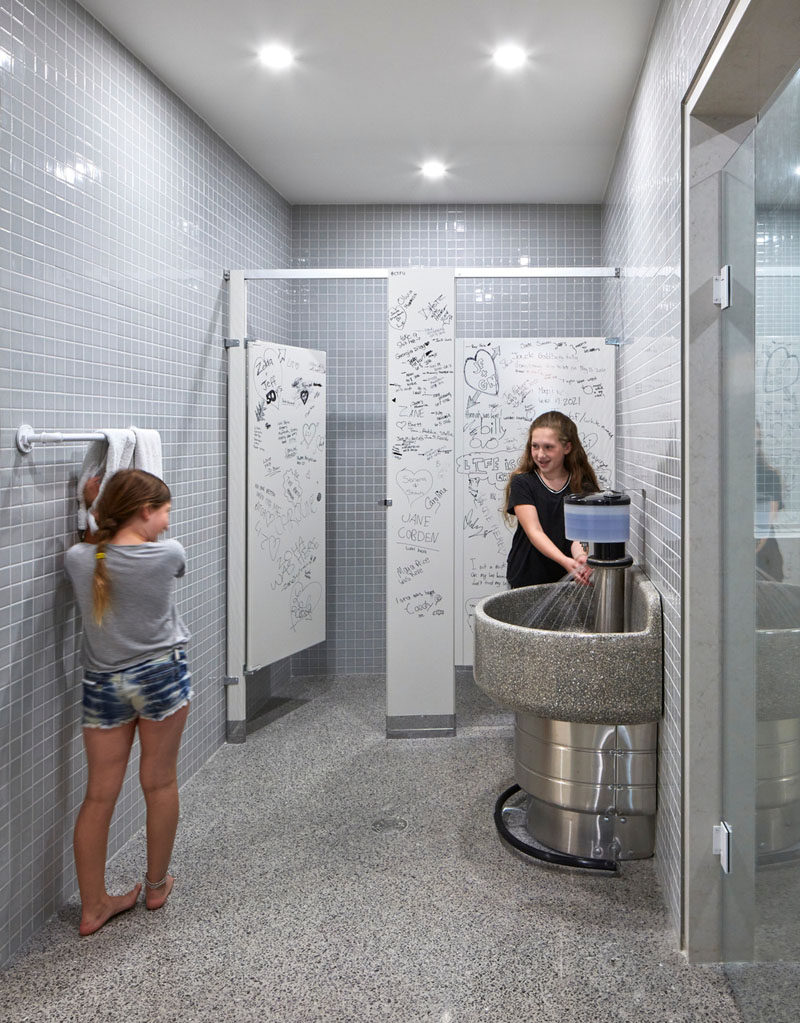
(236,526)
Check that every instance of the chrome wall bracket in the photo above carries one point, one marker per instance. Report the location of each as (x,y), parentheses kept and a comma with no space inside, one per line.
(721,845)
(722,287)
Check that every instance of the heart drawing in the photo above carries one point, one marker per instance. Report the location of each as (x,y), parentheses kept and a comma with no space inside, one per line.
(309,431)
(782,371)
(414,483)
(304,602)
(480,373)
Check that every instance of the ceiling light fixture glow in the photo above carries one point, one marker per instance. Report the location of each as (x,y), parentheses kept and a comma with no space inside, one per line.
(509,57)
(434,169)
(276,57)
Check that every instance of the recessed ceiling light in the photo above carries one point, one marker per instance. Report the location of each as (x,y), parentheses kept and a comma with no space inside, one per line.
(509,57)
(276,57)
(797,171)
(434,169)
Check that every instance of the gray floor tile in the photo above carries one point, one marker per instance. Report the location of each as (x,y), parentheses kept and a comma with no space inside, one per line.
(327,873)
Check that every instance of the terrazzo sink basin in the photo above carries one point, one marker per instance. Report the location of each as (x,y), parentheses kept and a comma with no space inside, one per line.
(777,650)
(588,677)
(778,711)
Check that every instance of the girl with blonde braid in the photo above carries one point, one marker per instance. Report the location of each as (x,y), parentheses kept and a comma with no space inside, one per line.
(135,677)
(553,464)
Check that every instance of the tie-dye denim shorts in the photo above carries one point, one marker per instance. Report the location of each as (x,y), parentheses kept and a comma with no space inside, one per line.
(152,689)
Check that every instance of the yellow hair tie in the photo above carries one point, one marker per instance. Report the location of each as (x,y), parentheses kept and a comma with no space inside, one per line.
(99,555)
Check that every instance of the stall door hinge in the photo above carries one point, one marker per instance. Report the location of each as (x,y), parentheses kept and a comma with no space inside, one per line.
(721,845)
(722,287)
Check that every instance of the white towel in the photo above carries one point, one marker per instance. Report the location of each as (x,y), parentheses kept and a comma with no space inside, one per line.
(103,458)
(147,454)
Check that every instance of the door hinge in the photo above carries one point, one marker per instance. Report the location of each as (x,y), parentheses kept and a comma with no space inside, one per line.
(721,845)
(722,287)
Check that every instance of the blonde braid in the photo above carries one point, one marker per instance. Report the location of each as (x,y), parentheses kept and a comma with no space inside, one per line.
(101,584)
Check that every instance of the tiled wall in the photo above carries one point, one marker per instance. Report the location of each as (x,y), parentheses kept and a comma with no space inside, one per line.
(348,320)
(642,234)
(121,213)
(120,210)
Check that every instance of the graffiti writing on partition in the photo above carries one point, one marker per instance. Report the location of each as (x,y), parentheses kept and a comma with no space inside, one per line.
(398,314)
(304,601)
(421,604)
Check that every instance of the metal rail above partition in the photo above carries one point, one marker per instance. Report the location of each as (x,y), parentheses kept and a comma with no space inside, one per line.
(376,273)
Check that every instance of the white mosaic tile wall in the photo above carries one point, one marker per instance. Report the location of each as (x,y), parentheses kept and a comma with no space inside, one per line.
(120,210)
(642,234)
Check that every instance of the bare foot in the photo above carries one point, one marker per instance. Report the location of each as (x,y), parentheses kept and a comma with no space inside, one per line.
(154,898)
(113,905)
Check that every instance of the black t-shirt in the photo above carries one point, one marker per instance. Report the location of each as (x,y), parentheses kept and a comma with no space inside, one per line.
(526,565)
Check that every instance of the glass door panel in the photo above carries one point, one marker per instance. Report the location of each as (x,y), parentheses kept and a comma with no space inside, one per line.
(760,573)
(776,527)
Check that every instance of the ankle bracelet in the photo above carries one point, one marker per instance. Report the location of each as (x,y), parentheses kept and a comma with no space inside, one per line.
(150,885)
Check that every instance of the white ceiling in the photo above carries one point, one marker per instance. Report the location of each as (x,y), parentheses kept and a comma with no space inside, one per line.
(381,86)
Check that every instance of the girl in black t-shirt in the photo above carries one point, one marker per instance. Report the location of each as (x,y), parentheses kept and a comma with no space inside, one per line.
(553,464)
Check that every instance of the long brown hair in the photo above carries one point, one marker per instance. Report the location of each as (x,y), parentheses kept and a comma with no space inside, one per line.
(582,479)
(123,496)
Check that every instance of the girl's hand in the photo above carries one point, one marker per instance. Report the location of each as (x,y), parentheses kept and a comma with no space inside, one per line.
(579,570)
(91,490)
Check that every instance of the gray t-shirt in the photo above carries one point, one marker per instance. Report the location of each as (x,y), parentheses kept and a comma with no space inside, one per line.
(142,620)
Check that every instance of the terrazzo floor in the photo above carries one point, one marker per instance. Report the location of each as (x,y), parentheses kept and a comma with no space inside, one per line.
(325,873)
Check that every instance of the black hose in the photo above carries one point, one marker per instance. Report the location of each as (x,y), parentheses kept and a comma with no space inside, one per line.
(547,855)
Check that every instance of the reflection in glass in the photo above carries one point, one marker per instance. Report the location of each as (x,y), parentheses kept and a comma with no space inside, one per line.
(777,527)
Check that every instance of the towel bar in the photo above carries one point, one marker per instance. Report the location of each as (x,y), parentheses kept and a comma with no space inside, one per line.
(27,437)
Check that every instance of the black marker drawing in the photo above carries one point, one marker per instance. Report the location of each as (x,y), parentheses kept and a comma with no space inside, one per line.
(398,314)
(415,483)
(267,374)
(480,373)
(781,372)
(291,485)
(437,311)
(304,602)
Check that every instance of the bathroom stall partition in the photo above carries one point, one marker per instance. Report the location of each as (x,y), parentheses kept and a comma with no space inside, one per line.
(395,605)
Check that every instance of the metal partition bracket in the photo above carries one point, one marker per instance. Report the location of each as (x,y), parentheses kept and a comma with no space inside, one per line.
(230,680)
(721,845)
(722,287)
(231,342)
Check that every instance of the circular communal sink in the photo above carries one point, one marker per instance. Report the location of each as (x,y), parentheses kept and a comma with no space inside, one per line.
(586,707)
(596,678)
